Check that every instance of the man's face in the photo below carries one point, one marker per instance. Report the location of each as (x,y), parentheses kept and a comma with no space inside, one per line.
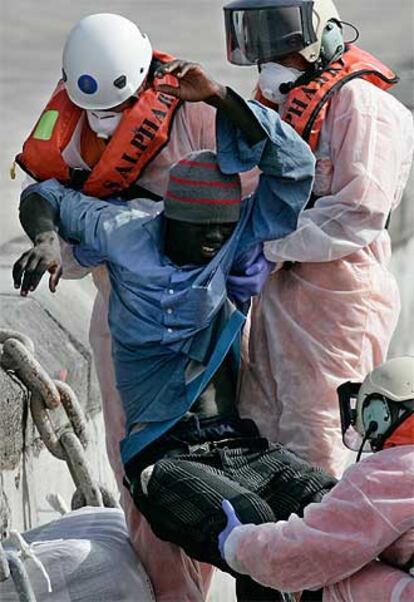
(195,244)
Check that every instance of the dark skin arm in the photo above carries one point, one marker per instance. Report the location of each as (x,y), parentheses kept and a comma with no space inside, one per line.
(38,219)
(195,85)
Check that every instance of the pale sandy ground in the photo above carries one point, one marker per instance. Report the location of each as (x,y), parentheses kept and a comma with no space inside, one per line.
(32,33)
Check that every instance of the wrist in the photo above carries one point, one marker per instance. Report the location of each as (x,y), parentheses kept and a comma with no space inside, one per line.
(46,237)
(231,546)
(240,114)
(218,98)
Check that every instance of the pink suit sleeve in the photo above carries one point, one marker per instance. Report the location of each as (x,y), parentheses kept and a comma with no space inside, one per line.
(376,581)
(368,510)
(370,136)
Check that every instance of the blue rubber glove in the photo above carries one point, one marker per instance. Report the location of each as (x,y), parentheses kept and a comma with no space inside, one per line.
(232,522)
(248,277)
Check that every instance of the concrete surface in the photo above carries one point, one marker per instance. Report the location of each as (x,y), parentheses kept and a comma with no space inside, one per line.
(61,347)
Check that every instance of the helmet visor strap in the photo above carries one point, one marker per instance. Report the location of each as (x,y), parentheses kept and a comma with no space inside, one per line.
(255,36)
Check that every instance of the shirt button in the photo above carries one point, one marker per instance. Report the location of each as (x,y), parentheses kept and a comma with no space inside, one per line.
(170,291)
(169,310)
(170,330)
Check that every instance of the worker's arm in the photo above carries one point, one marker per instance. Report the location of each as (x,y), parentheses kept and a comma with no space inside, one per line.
(376,581)
(371,143)
(359,518)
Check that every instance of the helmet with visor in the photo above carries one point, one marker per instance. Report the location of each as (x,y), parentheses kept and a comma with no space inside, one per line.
(373,411)
(261,31)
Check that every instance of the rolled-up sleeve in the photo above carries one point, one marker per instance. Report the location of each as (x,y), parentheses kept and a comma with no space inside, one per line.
(281,153)
(287,170)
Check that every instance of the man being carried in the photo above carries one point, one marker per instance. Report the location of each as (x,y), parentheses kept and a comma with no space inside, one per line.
(175,334)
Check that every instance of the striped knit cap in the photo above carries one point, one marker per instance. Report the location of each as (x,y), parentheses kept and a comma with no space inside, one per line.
(198,192)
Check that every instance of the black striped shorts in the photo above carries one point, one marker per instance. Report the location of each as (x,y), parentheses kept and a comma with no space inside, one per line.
(265,482)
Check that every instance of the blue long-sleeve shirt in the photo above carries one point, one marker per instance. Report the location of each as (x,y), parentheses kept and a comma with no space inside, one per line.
(161,315)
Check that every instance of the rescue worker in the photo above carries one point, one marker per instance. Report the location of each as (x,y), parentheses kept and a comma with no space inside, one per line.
(175,336)
(107,131)
(368,514)
(328,312)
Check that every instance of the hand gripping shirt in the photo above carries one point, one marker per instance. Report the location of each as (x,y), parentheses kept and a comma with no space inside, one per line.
(161,316)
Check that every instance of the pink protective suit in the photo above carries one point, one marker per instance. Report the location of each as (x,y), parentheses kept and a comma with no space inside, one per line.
(174,576)
(368,514)
(327,315)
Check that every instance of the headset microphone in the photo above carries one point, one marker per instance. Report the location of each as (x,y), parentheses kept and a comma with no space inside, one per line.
(286,88)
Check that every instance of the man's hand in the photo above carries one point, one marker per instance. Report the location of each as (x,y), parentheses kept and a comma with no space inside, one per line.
(30,267)
(194,84)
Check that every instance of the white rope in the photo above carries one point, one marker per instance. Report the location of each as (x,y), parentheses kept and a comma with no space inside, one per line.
(56,501)
(26,552)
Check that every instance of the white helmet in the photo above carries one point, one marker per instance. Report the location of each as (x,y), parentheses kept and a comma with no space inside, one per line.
(105,60)
(372,411)
(385,399)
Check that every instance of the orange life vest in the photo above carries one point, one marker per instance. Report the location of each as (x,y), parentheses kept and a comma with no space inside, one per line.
(143,131)
(306,106)
(403,434)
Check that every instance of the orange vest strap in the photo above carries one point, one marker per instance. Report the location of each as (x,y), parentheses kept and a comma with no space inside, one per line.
(142,133)
(306,105)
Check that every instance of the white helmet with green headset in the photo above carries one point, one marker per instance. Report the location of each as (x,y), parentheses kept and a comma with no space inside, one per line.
(261,31)
(373,411)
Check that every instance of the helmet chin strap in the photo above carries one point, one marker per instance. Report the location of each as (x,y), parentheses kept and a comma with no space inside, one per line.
(304,79)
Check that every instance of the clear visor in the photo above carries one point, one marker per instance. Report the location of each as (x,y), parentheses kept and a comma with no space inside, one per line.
(353,440)
(348,396)
(261,35)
